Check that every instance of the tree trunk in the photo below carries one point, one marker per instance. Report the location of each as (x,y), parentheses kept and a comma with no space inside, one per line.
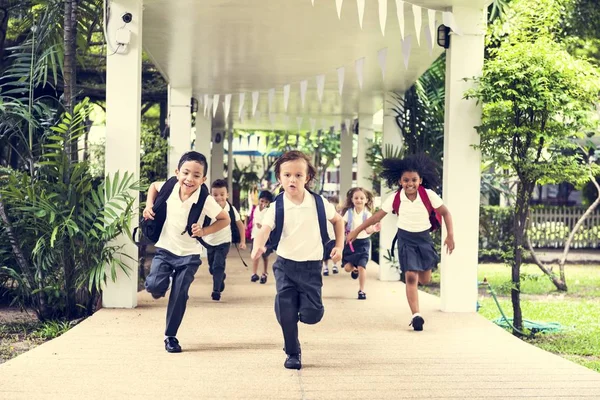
(70,65)
(524,190)
(4,14)
(560,284)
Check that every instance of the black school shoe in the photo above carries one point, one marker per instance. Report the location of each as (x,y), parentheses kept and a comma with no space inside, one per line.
(417,323)
(263,278)
(172,345)
(293,361)
(254,278)
(216,296)
(354,274)
(362,295)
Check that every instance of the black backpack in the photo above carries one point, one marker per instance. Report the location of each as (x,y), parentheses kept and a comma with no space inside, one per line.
(151,228)
(275,235)
(235,233)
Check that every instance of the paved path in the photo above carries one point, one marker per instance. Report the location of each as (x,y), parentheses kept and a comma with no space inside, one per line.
(232,350)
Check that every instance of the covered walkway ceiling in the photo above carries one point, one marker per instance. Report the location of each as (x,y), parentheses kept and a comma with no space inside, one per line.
(233,46)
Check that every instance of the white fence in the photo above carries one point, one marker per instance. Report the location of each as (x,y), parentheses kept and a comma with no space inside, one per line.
(549,227)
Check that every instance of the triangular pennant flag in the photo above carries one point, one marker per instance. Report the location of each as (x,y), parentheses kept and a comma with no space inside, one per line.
(227,105)
(448,20)
(313,2)
(406,44)
(338,6)
(272,118)
(360,4)
(286,120)
(303,86)
(348,127)
(431,20)
(341,71)
(400,14)
(429,40)
(201,99)
(313,124)
(382,15)
(324,124)
(299,123)
(254,102)
(242,99)
(320,86)
(209,105)
(215,104)
(257,115)
(360,64)
(271,99)
(286,97)
(417,18)
(382,56)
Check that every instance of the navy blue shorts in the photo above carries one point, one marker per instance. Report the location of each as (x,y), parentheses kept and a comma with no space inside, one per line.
(360,256)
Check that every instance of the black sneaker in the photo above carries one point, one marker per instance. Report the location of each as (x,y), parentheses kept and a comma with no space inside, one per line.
(334,269)
(326,272)
(362,295)
(172,345)
(354,274)
(417,323)
(157,296)
(216,296)
(254,278)
(263,278)
(293,361)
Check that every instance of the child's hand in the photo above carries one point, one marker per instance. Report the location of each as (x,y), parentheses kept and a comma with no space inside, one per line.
(449,243)
(351,236)
(257,252)
(243,246)
(336,254)
(148,213)
(197,230)
(377,227)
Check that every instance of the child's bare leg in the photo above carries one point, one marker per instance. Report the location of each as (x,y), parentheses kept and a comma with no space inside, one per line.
(254,266)
(362,278)
(424,277)
(412,292)
(348,267)
(265,265)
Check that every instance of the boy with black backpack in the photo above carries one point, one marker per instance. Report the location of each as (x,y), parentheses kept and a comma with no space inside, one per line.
(171,216)
(296,226)
(217,244)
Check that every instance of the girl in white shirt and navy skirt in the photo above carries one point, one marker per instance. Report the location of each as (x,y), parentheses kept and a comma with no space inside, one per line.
(416,252)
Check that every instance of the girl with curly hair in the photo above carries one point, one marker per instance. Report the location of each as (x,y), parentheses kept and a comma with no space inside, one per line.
(416,252)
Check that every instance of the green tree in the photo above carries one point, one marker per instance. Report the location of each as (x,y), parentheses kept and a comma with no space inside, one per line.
(536,99)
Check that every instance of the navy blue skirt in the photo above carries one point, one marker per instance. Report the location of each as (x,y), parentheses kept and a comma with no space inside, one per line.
(360,256)
(416,251)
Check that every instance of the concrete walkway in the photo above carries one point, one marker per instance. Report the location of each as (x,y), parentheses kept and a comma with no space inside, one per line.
(232,350)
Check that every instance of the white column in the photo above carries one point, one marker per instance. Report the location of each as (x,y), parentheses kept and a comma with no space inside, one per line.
(345,162)
(461,162)
(123,108)
(230,162)
(388,271)
(218,138)
(365,136)
(203,140)
(180,125)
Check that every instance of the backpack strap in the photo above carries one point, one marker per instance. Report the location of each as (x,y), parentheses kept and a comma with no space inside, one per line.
(425,199)
(152,228)
(197,209)
(322,217)
(396,203)
(235,232)
(350,213)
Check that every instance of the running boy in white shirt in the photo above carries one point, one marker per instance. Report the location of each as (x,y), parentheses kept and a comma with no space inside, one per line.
(177,250)
(299,235)
(264,199)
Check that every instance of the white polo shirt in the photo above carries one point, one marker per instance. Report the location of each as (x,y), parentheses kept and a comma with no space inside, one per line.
(357,220)
(224,235)
(178,211)
(412,215)
(258,217)
(301,237)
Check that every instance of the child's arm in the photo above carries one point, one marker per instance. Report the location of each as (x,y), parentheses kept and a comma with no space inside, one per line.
(338,227)
(242,230)
(259,242)
(449,242)
(372,220)
(222,221)
(152,193)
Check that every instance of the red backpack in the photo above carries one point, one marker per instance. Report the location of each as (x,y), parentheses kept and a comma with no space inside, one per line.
(434,217)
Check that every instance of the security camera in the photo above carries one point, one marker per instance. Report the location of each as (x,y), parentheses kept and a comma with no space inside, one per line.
(127,17)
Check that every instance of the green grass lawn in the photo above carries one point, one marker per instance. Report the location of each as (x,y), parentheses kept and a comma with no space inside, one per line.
(578,310)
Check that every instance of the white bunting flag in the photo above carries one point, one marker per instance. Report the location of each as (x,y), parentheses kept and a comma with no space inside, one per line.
(286,120)
(313,124)
(360,64)
(215,104)
(205,104)
(400,14)
(320,86)
(382,57)
(338,6)
(272,119)
(227,105)
(406,44)
(418,18)
(254,102)
(428,40)
(324,124)
(241,108)
(303,86)
(313,2)
(286,97)
(299,123)
(209,105)
(341,72)
(271,99)
(382,15)
(360,4)
(257,115)
(348,127)
(431,18)
(448,20)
